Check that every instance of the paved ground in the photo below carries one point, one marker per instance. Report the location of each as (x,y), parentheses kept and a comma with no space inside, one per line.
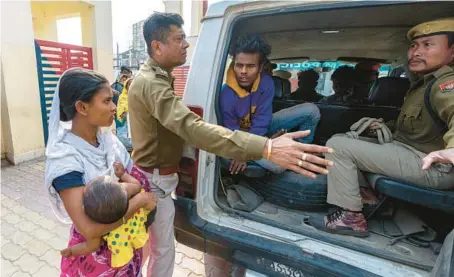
(31,236)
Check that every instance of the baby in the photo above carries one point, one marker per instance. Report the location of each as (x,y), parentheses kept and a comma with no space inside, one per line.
(106,201)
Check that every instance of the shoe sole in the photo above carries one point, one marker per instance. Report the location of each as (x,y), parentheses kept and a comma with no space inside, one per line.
(348,233)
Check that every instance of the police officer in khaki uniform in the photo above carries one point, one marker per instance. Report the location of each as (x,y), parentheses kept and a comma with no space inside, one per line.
(161,123)
(424,126)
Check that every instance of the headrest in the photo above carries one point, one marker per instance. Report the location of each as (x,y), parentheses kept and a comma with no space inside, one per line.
(287,88)
(367,66)
(389,91)
(282,87)
(282,74)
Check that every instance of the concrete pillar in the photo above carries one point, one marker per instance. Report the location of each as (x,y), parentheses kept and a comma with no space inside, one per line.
(6,139)
(44,22)
(102,39)
(87,18)
(196,17)
(173,6)
(21,113)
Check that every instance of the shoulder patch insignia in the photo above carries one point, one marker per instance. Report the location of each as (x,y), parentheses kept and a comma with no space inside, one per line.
(448,86)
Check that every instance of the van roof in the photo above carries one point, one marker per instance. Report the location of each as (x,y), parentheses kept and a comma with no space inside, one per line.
(340,29)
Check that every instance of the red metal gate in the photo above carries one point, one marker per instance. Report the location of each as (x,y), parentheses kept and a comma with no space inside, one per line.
(52,60)
(181,75)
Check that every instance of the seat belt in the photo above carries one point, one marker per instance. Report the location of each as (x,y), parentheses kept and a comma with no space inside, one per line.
(440,122)
(445,168)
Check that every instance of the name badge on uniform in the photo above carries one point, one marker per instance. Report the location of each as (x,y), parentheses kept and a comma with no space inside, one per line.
(448,86)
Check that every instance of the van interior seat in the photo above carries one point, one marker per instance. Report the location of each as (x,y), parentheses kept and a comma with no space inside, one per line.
(282,87)
(389,91)
(435,199)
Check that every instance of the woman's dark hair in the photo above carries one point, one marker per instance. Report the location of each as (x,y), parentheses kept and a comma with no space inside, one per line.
(251,45)
(78,84)
(157,27)
(105,201)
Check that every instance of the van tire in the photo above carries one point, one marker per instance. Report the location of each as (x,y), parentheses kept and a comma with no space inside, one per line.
(292,190)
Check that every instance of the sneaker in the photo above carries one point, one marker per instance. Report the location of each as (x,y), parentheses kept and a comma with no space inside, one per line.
(345,222)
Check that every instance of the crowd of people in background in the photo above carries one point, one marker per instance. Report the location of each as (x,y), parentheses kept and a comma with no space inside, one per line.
(350,84)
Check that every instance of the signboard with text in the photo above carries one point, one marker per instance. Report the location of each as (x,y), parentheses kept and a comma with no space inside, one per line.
(333,65)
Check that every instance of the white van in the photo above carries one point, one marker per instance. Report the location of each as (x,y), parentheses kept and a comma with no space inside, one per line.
(275,239)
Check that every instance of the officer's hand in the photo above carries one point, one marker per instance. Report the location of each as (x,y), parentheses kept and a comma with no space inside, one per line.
(299,157)
(372,130)
(445,156)
(278,134)
(375,125)
(237,167)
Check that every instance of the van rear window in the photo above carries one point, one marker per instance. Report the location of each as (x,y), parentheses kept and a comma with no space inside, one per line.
(325,70)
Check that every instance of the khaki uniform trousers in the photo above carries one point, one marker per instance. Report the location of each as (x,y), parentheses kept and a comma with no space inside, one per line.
(162,238)
(395,160)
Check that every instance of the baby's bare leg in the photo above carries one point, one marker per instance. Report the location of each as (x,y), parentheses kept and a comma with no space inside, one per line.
(83,248)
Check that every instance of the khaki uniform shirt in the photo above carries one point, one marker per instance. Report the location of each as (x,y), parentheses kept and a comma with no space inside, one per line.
(161,123)
(415,126)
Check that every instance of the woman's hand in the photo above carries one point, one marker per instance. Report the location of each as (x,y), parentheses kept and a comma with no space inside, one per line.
(73,201)
(299,157)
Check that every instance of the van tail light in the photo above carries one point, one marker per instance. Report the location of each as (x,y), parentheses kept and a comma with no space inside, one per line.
(189,166)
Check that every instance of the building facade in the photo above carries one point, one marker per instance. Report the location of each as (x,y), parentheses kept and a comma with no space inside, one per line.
(137,54)
(22,126)
(138,42)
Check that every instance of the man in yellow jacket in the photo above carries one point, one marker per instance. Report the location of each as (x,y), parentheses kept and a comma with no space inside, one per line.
(123,133)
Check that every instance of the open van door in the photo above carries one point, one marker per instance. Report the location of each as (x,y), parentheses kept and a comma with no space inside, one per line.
(186,190)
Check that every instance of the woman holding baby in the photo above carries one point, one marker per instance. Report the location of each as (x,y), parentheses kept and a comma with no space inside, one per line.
(93,184)
(88,180)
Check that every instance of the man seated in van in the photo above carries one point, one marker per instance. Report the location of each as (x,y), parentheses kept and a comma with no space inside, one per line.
(269,67)
(366,73)
(307,82)
(247,96)
(343,81)
(423,134)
